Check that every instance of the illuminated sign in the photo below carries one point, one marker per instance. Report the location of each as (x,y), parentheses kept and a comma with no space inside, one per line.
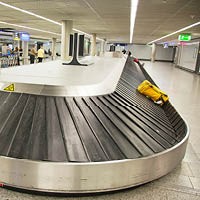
(182,43)
(25,37)
(184,37)
(165,45)
(16,36)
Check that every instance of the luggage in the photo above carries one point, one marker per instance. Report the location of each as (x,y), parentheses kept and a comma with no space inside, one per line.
(153,92)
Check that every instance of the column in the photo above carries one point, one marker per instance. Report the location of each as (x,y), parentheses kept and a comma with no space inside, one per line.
(25,52)
(106,44)
(65,38)
(103,46)
(93,44)
(53,48)
(153,52)
(18,44)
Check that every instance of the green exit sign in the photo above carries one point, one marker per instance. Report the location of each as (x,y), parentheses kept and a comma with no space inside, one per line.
(184,37)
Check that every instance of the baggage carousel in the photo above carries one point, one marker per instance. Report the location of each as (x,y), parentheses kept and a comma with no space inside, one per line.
(87,144)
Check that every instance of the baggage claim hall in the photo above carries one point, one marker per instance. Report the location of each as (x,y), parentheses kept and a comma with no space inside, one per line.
(99,99)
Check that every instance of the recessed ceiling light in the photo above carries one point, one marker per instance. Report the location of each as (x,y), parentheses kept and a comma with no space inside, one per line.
(192,16)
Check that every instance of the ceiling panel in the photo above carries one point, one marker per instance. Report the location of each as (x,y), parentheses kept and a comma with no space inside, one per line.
(108,18)
(156,19)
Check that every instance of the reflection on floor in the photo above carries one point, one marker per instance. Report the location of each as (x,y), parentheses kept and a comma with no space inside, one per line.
(184,182)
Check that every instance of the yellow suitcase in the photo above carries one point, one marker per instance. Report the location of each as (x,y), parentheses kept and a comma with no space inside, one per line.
(152,92)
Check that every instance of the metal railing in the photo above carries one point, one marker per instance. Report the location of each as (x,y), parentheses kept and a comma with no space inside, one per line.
(9,61)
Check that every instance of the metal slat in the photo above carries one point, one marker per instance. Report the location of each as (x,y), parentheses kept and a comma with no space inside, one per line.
(147,110)
(142,101)
(7,130)
(129,81)
(130,92)
(131,136)
(7,107)
(133,83)
(35,147)
(143,115)
(165,140)
(173,117)
(152,110)
(17,147)
(92,146)
(74,146)
(181,133)
(109,146)
(138,98)
(3,97)
(122,142)
(134,70)
(56,149)
(144,133)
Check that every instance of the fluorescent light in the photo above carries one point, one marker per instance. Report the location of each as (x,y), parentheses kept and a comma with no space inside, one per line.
(178,31)
(29,13)
(41,17)
(81,32)
(86,34)
(26,27)
(40,37)
(100,39)
(133,11)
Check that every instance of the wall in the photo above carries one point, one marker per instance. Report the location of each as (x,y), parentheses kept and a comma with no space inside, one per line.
(117,48)
(165,54)
(144,52)
(187,56)
(98,48)
(140,51)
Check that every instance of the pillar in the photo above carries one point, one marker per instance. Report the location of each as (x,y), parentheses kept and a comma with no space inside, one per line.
(106,44)
(65,38)
(25,52)
(103,42)
(93,44)
(153,52)
(18,44)
(53,48)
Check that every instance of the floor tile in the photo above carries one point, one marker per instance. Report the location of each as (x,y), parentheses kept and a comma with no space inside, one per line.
(195,168)
(182,169)
(195,182)
(174,179)
(191,157)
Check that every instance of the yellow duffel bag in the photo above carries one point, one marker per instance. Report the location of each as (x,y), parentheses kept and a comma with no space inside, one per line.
(152,92)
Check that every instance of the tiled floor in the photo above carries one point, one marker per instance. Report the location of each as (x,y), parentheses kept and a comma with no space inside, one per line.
(184,90)
(184,182)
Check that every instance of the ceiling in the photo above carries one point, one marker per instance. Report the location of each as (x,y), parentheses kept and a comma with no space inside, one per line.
(156,19)
(110,19)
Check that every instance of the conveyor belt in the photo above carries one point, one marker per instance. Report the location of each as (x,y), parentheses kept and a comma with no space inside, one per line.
(120,125)
(89,144)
